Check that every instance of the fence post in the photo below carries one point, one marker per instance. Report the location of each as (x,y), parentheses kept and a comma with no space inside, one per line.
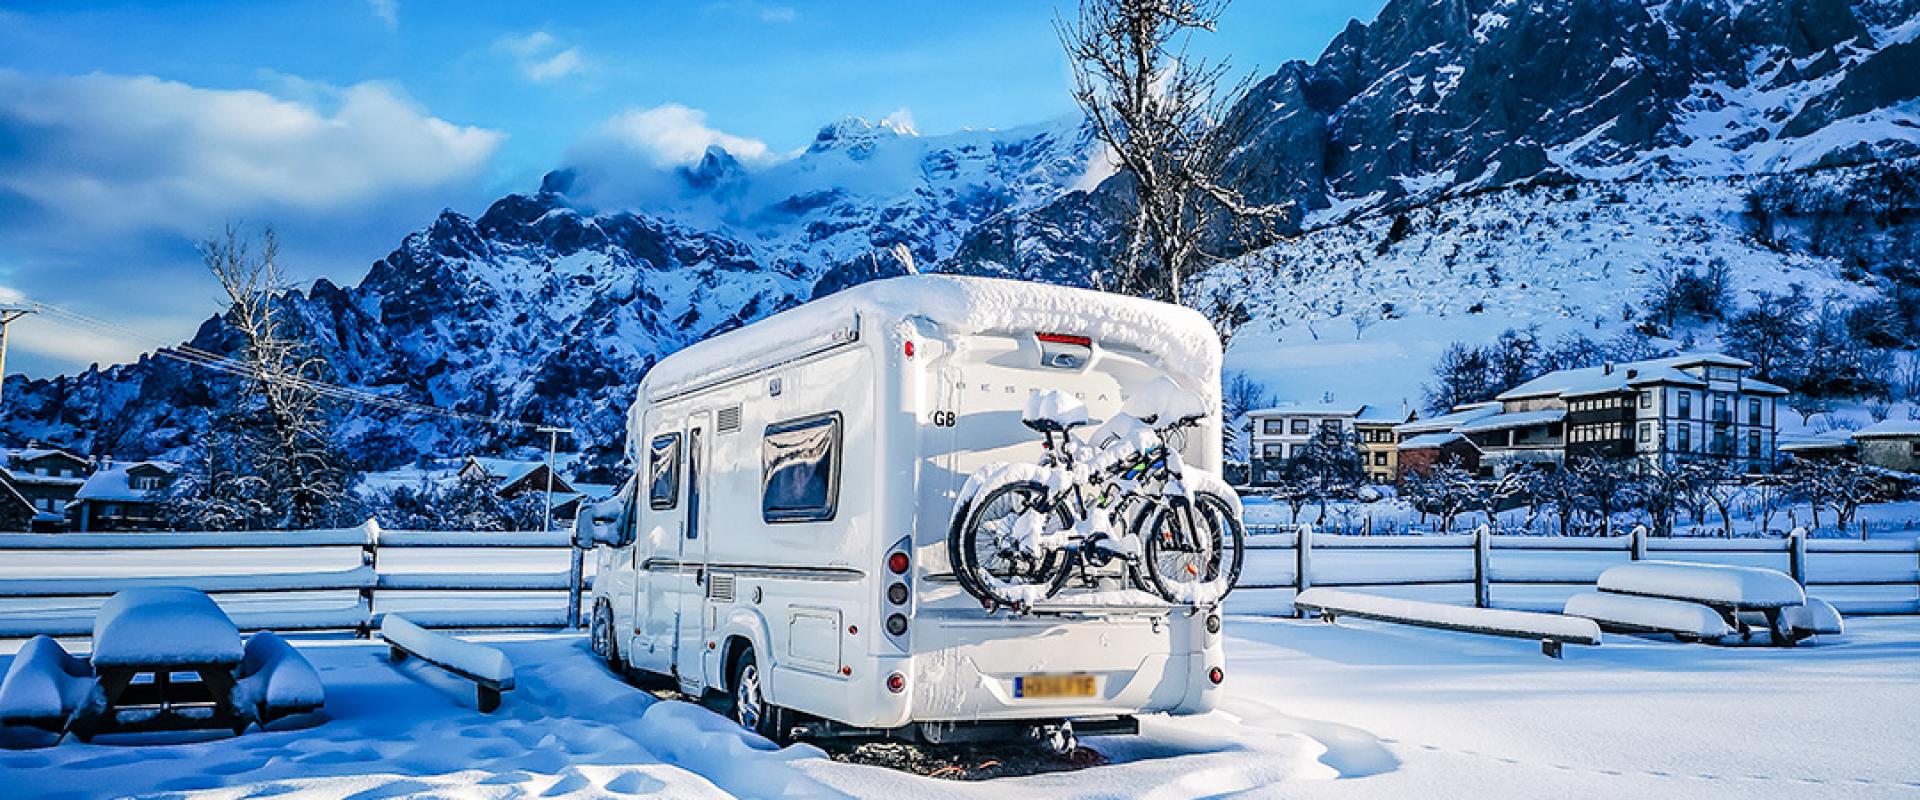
(1302,560)
(574,579)
(1638,539)
(369,558)
(1482,555)
(1797,555)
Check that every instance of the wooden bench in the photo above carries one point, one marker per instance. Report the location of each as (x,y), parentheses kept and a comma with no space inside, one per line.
(1552,630)
(488,668)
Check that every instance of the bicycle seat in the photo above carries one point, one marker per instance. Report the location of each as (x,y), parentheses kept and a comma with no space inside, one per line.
(1163,400)
(1054,411)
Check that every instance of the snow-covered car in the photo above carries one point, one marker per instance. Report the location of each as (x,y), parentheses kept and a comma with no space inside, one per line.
(785,540)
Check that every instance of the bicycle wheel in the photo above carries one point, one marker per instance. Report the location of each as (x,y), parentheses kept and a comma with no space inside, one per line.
(992,553)
(1198,568)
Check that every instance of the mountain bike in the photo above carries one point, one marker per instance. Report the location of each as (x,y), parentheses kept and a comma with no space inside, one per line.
(1120,505)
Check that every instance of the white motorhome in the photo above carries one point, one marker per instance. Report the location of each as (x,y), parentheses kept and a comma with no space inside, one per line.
(785,545)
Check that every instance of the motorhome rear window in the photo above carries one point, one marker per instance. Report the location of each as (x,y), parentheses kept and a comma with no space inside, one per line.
(800,469)
(664,466)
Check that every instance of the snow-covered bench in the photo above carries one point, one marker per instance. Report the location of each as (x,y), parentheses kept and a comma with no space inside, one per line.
(275,681)
(1553,630)
(1704,602)
(487,667)
(44,686)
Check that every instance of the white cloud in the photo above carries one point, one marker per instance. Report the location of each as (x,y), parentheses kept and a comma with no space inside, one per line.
(111,151)
(387,11)
(667,136)
(541,56)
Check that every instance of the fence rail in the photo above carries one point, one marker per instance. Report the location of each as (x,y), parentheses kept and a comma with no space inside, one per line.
(337,579)
(1539,572)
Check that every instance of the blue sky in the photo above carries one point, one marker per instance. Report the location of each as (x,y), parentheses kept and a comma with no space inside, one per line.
(128,131)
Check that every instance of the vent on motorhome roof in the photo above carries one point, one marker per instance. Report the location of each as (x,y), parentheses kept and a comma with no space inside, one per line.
(729,419)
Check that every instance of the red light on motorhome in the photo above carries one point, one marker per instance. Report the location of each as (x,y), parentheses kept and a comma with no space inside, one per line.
(1064,338)
(907,348)
(898,563)
(1216,675)
(896,683)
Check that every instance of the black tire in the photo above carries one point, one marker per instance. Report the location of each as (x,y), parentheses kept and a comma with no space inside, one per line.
(1225,538)
(976,558)
(748,706)
(600,636)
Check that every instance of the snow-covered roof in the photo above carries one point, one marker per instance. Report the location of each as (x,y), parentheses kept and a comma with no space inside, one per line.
(1890,429)
(1518,419)
(1627,375)
(507,470)
(113,484)
(1429,441)
(1460,415)
(35,453)
(1816,444)
(1309,410)
(1182,340)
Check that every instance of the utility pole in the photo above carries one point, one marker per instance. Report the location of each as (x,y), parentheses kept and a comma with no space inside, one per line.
(8,313)
(553,444)
(577,565)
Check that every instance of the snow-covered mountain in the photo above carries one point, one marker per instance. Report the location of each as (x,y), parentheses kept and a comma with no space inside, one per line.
(1544,156)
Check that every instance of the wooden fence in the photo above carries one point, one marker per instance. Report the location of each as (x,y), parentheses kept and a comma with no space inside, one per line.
(1880,576)
(340,579)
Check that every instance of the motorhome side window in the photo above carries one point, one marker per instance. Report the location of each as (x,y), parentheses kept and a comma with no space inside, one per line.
(664,467)
(800,469)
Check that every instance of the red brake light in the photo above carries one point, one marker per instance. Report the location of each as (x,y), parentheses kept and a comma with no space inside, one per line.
(896,683)
(908,348)
(898,563)
(1063,338)
(1216,675)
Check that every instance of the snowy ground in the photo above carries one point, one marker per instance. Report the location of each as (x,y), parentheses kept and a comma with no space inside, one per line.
(1355,710)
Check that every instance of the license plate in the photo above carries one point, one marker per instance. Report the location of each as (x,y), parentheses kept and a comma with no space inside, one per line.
(1027,686)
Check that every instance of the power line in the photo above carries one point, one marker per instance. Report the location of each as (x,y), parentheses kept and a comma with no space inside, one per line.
(194,356)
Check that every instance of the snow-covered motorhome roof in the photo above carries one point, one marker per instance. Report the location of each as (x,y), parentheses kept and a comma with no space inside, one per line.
(1183,340)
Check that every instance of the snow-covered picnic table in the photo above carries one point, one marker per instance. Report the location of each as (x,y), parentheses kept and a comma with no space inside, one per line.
(158,632)
(1704,602)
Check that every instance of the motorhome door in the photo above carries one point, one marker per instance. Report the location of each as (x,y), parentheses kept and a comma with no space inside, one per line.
(690,643)
(658,548)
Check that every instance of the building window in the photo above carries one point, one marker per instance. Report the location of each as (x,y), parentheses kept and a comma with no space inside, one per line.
(1380,459)
(1330,426)
(663,464)
(1753,444)
(1686,405)
(1271,451)
(1300,426)
(1684,441)
(1273,427)
(145,483)
(1753,410)
(1720,413)
(800,469)
(1646,431)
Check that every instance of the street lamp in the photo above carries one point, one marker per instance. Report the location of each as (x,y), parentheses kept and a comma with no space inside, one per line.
(8,313)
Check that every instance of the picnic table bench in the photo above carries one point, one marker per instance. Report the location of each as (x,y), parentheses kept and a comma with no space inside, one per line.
(162,633)
(1554,631)
(1704,602)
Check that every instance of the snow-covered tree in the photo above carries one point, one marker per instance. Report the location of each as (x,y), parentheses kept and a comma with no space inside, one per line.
(269,459)
(1842,485)
(1611,484)
(1446,491)
(469,503)
(1158,109)
(1714,482)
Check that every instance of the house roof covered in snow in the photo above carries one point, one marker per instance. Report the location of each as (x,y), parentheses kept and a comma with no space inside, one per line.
(1518,419)
(1890,429)
(1610,378)
(1429,441)
(114,483)
(1460,415)
(1309,410)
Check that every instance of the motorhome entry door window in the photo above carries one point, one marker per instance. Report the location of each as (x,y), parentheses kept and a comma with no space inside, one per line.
(663,465)
(800,469)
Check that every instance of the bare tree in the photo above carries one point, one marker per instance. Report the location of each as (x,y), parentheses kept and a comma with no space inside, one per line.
(288,433)
(1445,491)
(1158,111)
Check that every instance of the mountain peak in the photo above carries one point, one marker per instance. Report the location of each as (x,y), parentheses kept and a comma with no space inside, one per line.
(855,133)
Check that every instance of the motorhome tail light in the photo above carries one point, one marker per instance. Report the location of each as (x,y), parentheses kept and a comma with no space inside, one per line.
(1064,338)
(1216,675)
(896,683)
(907,348)
(896,594)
